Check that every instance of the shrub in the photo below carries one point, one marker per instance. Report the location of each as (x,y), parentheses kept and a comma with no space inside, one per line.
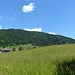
(13,49)
(20,48)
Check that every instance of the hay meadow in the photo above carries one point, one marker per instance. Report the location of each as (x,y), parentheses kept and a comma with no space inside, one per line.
(38,61)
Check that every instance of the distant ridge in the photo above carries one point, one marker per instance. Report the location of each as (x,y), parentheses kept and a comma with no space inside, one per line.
(9,37)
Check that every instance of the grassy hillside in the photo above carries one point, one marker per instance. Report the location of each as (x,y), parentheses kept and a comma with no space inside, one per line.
(38,61)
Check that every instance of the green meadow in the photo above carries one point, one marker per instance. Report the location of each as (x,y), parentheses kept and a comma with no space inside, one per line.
(38,61)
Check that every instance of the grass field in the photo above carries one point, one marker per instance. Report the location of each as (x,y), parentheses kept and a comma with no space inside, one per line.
(38,61)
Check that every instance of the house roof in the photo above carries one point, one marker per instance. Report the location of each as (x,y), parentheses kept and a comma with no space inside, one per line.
(6,49)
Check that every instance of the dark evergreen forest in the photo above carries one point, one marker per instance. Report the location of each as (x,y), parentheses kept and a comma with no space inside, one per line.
(11,37)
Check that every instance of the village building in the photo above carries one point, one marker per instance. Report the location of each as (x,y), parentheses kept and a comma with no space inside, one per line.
(5,50)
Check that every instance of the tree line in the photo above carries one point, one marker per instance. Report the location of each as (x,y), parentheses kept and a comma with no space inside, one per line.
(12,37)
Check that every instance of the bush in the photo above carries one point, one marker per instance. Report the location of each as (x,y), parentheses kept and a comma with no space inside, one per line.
(20,48)
(13,49)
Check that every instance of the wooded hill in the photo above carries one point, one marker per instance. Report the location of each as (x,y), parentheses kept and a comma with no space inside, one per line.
(10,37)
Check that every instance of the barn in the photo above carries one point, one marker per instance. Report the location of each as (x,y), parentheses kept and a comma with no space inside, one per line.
(5,50)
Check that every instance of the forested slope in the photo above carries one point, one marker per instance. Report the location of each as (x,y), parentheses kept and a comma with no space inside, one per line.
(10,37)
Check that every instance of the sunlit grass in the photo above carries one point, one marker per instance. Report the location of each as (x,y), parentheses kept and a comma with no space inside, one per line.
(38,61)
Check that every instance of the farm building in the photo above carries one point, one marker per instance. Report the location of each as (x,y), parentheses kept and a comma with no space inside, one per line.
(4,50)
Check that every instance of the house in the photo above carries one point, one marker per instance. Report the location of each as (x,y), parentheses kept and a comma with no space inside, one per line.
(5,50)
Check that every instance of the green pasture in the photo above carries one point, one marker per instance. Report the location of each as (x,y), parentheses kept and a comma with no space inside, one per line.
(38,61)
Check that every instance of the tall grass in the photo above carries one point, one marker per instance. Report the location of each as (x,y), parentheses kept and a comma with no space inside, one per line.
(38,61)
(66,68)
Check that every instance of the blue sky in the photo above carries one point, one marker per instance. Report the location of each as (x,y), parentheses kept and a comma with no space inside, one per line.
(50,16)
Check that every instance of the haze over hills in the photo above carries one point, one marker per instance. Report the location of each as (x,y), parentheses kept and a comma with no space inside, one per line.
(9,37)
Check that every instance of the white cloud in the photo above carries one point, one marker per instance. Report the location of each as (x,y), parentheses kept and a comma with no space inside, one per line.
(5,17)
(15,28)
(8,18)
(34,29)
(5,28)
(0,27)
(52,33)
(28,8)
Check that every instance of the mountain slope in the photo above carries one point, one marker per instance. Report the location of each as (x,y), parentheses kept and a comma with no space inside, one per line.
(17,37)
